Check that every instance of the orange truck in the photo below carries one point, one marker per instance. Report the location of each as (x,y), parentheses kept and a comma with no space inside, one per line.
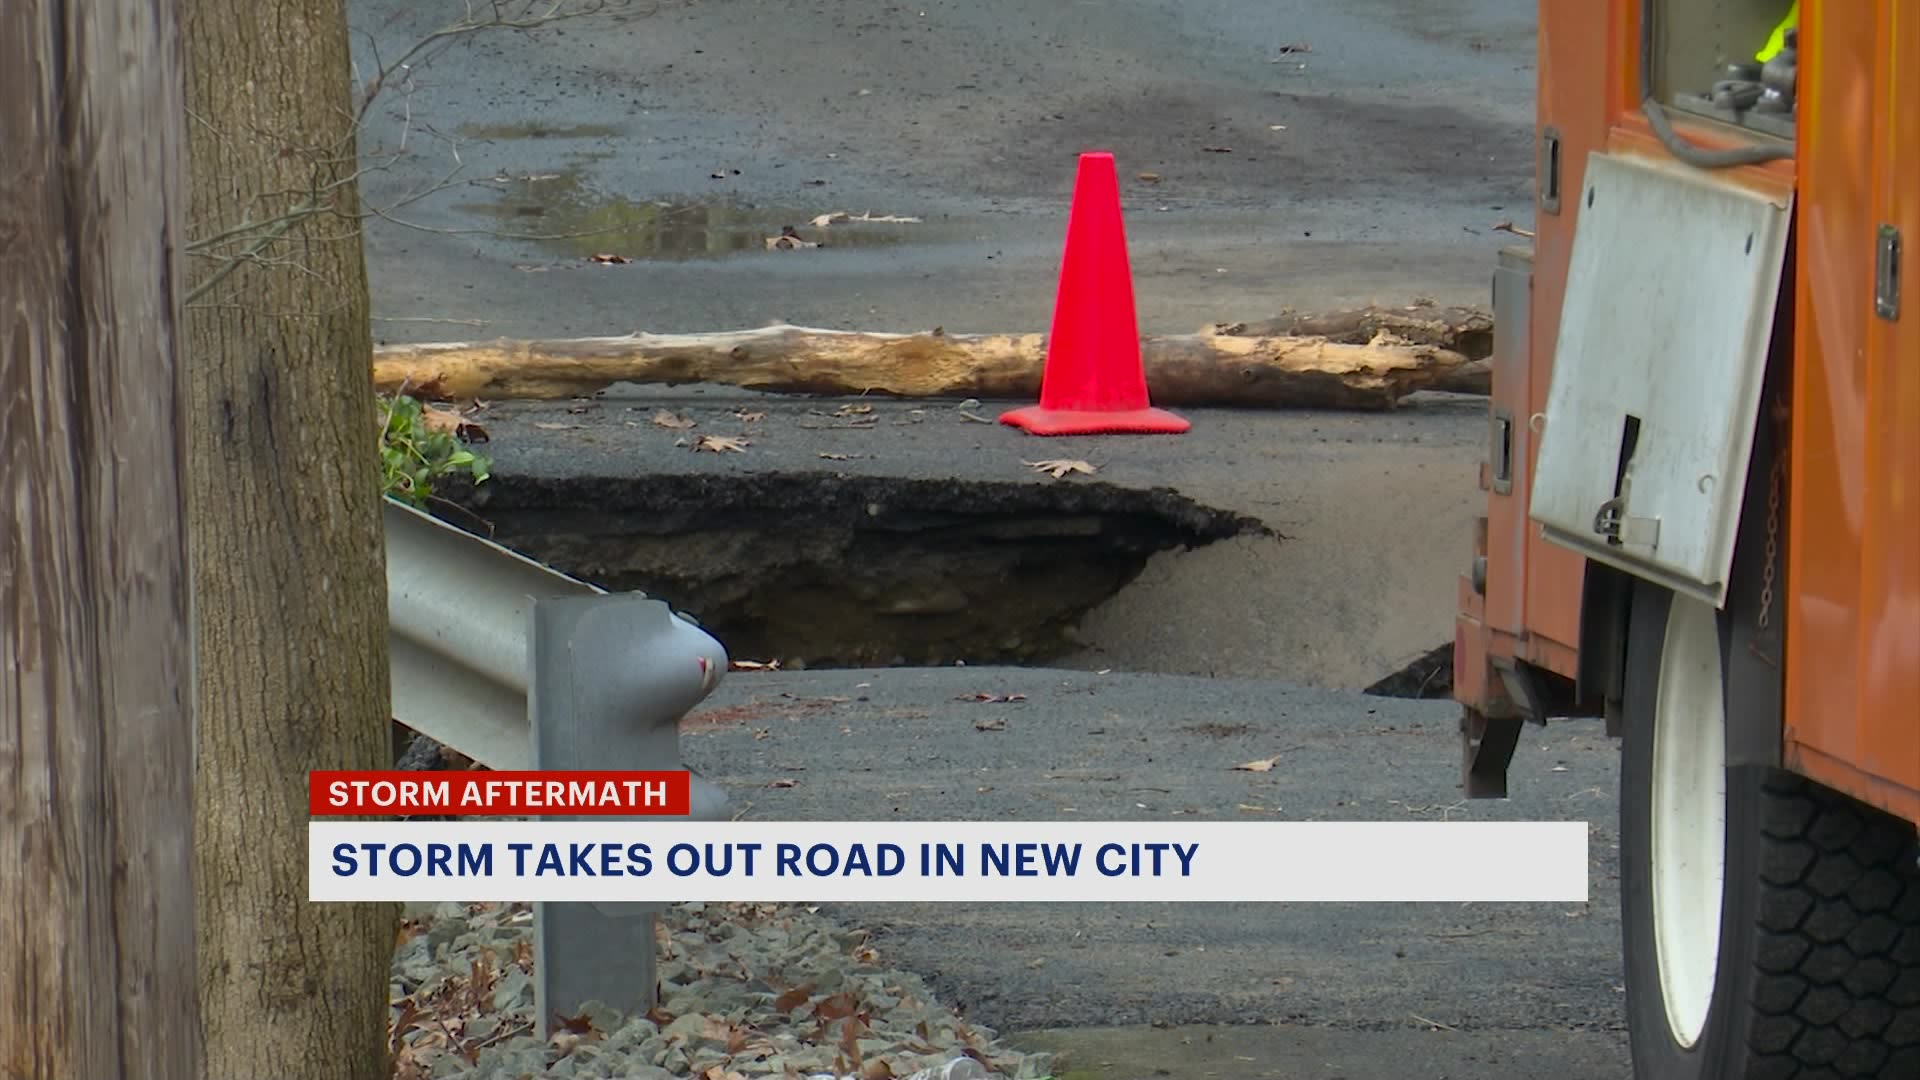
(1703,513)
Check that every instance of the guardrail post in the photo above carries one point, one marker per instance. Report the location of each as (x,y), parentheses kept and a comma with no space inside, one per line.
(610,676)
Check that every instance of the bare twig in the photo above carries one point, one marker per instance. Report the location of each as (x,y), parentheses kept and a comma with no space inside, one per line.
(443,231)
(502,1036)
(532,15)
(337,169)
(278,230)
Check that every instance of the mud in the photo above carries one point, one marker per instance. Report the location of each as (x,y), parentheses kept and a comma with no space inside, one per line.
(826,570)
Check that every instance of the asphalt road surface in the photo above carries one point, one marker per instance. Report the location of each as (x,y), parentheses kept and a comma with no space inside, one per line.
(1380,992)
(1307,154)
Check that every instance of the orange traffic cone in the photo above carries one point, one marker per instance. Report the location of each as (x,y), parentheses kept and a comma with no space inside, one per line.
(1094,381)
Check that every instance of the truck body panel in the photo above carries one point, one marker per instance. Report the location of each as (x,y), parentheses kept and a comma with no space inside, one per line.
(1658,370)
(1846,588)
(1852,591)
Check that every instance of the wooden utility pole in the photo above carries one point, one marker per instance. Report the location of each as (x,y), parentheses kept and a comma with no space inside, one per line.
(96,722)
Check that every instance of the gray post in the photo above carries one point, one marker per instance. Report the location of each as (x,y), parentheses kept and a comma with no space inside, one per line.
(610,676)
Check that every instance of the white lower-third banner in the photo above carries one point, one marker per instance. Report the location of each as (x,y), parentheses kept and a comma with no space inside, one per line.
(971,862)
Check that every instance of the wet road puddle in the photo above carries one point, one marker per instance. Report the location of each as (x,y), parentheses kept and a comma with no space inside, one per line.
(564,215)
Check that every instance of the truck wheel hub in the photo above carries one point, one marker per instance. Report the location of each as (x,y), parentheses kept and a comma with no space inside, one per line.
(1689,817)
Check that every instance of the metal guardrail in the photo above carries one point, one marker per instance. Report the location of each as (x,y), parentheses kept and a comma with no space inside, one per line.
(518,666)
(458,610)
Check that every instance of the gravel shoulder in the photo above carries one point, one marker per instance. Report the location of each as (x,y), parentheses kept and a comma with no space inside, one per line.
(746,991)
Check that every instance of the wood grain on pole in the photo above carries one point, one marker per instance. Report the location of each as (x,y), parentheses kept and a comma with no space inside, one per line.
(96,758)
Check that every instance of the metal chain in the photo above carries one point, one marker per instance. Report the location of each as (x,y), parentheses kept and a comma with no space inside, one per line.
(1769,567)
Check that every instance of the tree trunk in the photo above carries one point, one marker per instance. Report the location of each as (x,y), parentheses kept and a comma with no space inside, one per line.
(96,728)
(289,569)
(1219,368)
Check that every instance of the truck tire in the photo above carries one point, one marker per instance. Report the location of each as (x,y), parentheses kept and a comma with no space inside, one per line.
(1771,926)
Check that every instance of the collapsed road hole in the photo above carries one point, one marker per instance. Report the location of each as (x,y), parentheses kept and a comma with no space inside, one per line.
(830,570)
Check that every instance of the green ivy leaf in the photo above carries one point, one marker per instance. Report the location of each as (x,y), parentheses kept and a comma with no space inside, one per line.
(413,457)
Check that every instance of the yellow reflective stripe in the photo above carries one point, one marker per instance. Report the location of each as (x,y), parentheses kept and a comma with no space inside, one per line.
(1778,39)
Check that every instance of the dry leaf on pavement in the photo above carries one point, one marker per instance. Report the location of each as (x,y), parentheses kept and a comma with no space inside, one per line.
(721,444)
(1261,765)
(838,1007)
(998,723)
(666,419)
(1060,467)
(991,699)
(452,422)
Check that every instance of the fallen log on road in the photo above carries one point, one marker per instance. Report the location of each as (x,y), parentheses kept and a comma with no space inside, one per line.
(1223,366)
(1467,331)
